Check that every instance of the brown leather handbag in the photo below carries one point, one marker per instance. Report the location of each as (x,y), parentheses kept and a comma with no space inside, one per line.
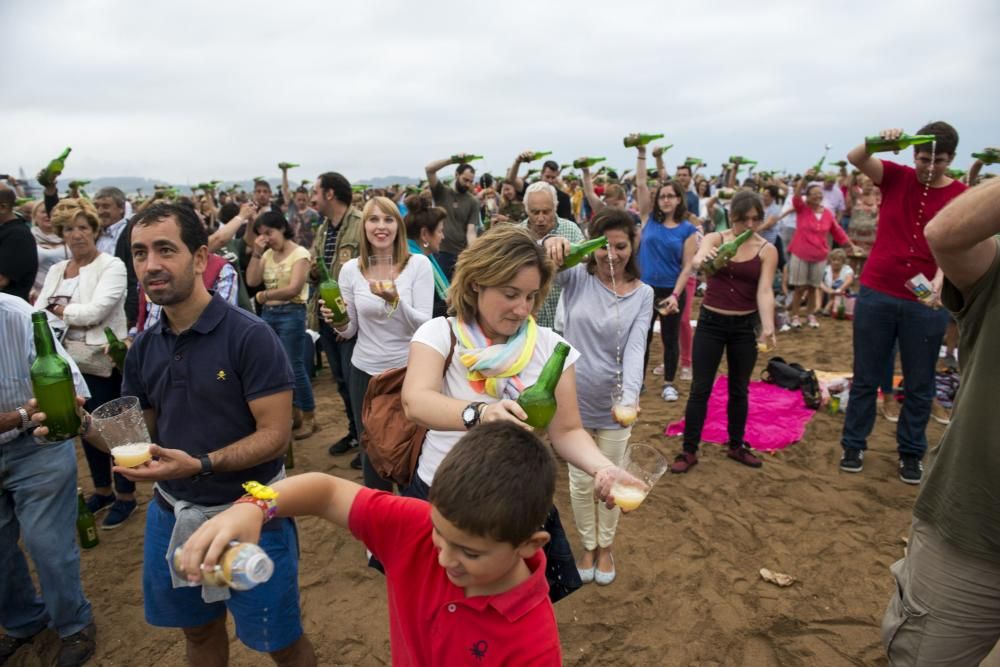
(391,441)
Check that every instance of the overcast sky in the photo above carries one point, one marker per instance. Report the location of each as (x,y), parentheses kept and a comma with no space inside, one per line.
(191,91)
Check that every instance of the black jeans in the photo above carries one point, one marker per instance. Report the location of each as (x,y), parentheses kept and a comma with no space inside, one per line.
(737,335)
(358,385)
(669,330)
(338,355)
(103,390)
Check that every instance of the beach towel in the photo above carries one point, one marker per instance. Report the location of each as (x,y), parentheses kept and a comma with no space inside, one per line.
(777,416)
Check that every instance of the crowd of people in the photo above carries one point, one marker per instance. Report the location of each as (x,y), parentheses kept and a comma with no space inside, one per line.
(465,282)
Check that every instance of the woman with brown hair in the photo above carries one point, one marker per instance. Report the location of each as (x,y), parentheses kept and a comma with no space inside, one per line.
(425,231)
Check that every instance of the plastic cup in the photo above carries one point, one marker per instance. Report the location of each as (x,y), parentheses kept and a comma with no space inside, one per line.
(123,427)
(625,410)
(644,466)
(381,271)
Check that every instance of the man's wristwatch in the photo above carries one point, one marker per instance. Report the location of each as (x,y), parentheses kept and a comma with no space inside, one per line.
(206,467)
(25,419)
(470,415)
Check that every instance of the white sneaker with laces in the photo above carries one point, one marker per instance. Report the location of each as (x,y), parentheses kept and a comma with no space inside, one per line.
(669,393)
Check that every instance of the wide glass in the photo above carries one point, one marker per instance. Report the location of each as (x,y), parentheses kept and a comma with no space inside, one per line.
(643,466)
(382,271)
(624,409)
(122,426)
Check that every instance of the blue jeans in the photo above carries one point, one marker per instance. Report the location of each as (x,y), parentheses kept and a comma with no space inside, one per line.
(338,355)
(880,322)
(38,501)
(289,322)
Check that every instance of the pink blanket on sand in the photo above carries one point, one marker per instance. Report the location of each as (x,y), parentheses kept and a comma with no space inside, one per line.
(777,417)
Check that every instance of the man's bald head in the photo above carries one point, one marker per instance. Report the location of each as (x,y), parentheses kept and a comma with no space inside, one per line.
(7,197)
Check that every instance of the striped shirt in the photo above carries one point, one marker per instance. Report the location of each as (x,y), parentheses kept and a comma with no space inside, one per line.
(16,356)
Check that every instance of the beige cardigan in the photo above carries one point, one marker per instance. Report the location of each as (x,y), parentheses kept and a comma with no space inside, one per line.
(99,301)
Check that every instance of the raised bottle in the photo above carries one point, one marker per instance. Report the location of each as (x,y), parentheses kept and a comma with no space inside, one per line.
(52,170)
(360,187)
(877,144)
(988,156)
(117,350)
(539,400)
(241,566)
(464,158)
(587,162)
(633,140)
(531,172)
(579,251)
(726,252)
(86,527)
(957,174)
(52,384)
(538,155)
(692,161)
(287,165)
(660,150)
(329,291)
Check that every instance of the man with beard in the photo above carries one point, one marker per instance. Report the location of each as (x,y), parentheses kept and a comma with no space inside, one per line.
(462,206)
(540,203)
(216,389)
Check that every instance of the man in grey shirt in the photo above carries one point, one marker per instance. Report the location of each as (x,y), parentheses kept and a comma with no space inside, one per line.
(462,206)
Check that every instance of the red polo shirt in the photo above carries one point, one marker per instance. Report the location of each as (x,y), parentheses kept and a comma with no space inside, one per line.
(431,621)
(901,251)
(809,242)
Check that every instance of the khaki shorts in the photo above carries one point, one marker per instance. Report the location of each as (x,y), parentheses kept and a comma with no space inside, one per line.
(805,274)
(946,606)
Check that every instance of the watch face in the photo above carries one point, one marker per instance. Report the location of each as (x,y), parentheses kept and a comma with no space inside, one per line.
(469,415)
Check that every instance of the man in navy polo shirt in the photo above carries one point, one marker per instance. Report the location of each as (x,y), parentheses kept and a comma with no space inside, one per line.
(216,387)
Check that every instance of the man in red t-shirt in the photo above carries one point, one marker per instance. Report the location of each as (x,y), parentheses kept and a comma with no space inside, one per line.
(887,312)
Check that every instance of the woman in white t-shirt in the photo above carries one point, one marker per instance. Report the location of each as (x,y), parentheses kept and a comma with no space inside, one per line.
(500,281)
(385,305)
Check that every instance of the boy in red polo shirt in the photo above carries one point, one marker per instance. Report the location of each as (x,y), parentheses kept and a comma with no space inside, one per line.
(465,572)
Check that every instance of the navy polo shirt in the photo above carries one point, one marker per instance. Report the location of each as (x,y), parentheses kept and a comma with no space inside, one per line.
(200,383)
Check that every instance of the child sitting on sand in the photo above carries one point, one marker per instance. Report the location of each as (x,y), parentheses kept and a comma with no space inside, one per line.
(465,572)
(838,278)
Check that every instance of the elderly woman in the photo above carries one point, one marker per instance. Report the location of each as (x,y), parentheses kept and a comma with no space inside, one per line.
(500,282)
(51,248)
(85,294)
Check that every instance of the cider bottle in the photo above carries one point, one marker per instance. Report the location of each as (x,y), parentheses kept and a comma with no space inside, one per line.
(539,400)
(587,162)
(462,158)
(633,140)
(538,155)
(329,291)
(117,350)
(242,566)
(86,527)
(578,251)
(531,172)
(52,170)
(52,384)
(988,156)
(877,144)
(726,252)
(287,165)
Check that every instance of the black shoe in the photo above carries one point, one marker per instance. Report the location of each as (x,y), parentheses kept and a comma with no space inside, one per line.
(911,470)
(11,645)
(852,460)
(78,648)
(356,461)
(97,502)
(342,446)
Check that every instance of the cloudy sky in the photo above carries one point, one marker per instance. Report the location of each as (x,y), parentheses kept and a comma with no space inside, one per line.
(189,91)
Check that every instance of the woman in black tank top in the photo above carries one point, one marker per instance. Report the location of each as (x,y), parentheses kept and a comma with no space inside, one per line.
(735,321)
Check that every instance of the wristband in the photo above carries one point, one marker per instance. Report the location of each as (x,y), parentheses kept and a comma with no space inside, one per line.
(263,497)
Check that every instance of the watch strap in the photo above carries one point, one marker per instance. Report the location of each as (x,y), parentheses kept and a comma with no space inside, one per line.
(25,418)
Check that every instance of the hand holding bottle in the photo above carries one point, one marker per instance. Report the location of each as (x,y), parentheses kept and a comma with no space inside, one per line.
(504,410)
(240,523)
(557,247)
(38,418)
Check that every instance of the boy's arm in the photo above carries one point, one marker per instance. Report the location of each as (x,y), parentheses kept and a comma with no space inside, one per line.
(870,165)
(309,494)
(961,235)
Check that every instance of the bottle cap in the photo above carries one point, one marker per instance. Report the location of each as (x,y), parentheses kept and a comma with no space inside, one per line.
(259,568)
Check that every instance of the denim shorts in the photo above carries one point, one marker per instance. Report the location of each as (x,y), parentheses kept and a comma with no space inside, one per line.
(267,617)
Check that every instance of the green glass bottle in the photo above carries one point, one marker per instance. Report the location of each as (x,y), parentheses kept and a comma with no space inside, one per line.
(329,291)
(117,350)
(565,166)
(579,251)
(538,155)
(988,156)
(877,144)
(361,187)
(692,161)
(633,140)
(587,162)
(660,150)
(290,456)
(726,252)
(287,165)
(531,172)
(76,185)
(539,400)
(957,174)
(458,159)
(20,201)
(52,170)
(86,527)
(818,167)
(840,164)
(52,384)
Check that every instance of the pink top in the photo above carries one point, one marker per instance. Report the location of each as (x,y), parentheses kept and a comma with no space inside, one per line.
(809,243)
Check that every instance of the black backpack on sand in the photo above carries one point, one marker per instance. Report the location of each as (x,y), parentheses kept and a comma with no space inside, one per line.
(793,376)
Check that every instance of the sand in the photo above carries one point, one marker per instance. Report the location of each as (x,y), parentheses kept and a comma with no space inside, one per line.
(688,590)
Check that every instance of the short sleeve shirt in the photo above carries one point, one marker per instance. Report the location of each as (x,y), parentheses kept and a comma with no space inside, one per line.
(201,383)
(431,621)
(278,275)
(462,209)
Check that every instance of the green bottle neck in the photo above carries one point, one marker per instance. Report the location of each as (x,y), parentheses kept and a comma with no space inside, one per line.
(44,343)
(324,273)
(552,371)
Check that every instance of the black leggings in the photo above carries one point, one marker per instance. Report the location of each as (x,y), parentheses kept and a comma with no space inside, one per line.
(669,329)
(736,334)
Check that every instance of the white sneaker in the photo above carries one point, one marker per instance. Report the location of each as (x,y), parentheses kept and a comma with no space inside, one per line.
(669,393)
(658,370)
(785,328)
(686,373)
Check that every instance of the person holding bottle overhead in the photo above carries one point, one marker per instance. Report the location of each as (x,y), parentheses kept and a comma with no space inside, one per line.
(668,244)
(425,231)
(85,294)
(461,204)
(612,348)
(737,313)
(497,351)
(389,293)
(282,266)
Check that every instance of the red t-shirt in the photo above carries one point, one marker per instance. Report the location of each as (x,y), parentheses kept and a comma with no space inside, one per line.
(809,242)
(431,621)
(900,251)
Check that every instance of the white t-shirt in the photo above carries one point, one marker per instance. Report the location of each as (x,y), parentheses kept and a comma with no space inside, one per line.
(435,334)
(384,336)
(845,273)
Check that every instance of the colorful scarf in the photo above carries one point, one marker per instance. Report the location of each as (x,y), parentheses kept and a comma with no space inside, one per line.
(492,368)
(441,283)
